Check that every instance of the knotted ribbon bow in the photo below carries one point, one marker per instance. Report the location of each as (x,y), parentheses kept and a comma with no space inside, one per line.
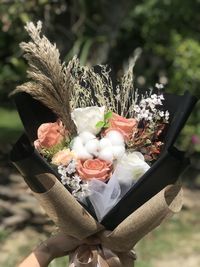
(97,256)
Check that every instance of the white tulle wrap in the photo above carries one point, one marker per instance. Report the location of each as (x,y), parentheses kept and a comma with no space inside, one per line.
(128,170)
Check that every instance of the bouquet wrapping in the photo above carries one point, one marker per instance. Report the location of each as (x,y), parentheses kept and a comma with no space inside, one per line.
(116,246)
(99,158)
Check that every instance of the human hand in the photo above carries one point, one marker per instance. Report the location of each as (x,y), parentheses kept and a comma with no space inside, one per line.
(60,245)
(56,246)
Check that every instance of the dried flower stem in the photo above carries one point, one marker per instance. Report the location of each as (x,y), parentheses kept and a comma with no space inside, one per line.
(51,81)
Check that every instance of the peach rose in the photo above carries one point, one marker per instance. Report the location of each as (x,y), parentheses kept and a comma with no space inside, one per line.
(49,134)
(94,168)
(123,125)
(63,157)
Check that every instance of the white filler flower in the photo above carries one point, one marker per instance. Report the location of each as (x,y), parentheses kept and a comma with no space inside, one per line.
(86,119)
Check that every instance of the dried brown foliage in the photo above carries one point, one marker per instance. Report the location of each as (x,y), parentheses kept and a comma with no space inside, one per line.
(51,82)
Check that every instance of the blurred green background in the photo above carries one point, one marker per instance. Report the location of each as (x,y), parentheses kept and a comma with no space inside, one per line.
(165,32)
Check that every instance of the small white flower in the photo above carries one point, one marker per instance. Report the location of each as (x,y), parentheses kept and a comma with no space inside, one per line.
(76,177)
(159,85)
(167,115)
(79,189)
(161,114)
(75,185)
(118,98)
(143,102)
(71,168)
(150,117)
(136,108)
(82,192)
(85,187)
(154,96)
(79,195)
(65,180)
(145,114)
(161,97)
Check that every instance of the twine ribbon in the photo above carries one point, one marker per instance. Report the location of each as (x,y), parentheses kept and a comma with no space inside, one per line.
(97,256)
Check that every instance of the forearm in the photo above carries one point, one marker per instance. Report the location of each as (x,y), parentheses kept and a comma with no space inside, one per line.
(54,247)
(40,257)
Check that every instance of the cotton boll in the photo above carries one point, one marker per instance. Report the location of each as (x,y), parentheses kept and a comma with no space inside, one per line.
(86,136)
(104,142)
(82,153)
(118,151)
(115,137)
(92,147)
(77,143)
(106,154)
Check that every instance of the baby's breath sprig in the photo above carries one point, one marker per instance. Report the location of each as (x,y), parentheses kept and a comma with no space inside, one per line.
(152,120)
(72,179)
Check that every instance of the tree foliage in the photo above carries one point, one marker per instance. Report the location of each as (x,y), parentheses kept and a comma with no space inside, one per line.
(101,31)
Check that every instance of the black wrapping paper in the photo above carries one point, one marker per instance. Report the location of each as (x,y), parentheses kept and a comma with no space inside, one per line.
(37,173)
(31,165)
(164,171)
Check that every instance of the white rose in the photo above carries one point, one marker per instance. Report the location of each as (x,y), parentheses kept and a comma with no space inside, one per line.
(86,119)
(131,167)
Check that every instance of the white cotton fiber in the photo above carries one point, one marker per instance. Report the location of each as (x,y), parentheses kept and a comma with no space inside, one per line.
(92,146)
(86,136)
(118,151)
(104,142)
(79,149)
(115,137)
(77,143)
(82,154)
(106,154)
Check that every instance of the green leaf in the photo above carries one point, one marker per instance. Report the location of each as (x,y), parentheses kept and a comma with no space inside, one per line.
(100,124)
(106,125)
(108,115)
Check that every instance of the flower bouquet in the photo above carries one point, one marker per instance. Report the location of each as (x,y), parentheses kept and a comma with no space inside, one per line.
(98,154)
